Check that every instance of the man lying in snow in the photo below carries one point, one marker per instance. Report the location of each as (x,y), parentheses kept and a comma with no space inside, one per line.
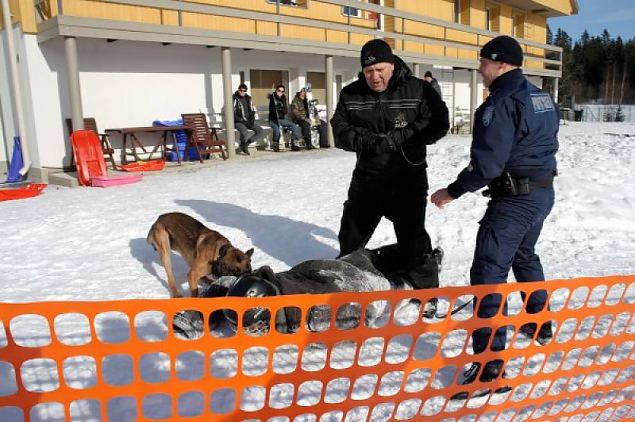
(361,271)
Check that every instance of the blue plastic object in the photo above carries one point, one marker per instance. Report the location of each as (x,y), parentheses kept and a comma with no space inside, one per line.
(17,162)
(181,139)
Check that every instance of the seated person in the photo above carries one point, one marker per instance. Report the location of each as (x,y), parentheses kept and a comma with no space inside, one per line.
(244,120)
(302,116)
(278,110)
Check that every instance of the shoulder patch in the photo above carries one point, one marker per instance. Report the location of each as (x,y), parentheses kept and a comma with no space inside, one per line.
(541,102)
(488,114)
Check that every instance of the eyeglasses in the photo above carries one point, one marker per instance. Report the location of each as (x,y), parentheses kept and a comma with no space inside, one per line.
(242,90)
(280,90)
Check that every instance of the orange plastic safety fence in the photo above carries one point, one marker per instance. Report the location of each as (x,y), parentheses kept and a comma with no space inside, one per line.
(371,356)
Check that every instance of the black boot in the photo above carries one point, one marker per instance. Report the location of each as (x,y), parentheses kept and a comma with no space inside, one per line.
(275,147)
(244,147)
(426,274)
(294,145)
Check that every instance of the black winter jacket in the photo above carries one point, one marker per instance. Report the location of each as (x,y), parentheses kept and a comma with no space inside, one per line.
(408,103)
(243,114)
(278,108)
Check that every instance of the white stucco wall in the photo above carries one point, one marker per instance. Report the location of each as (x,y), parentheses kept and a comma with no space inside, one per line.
(133,83)
(126,83)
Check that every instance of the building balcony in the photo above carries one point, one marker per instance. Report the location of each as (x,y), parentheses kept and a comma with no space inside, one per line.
(332,27)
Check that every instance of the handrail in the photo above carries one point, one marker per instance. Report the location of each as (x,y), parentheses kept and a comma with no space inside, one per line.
(433,21)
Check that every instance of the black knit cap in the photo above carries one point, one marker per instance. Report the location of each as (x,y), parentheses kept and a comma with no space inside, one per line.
(376,51)
(503,49)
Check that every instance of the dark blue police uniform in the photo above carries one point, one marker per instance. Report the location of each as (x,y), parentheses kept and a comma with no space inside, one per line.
(513,152)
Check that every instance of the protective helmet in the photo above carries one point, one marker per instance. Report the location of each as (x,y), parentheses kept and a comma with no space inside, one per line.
(256,320)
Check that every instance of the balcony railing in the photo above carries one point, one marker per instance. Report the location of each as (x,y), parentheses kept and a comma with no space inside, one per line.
(315,26)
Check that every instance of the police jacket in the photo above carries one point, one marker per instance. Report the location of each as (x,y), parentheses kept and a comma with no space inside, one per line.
(243,111)
(278,108)
(408,104)
(515,130)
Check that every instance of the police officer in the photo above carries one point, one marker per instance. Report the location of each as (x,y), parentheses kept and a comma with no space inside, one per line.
(387,117)
(513,153)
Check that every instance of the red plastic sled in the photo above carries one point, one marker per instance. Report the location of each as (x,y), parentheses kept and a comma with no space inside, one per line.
(89,159)
(139,166)
(26,191)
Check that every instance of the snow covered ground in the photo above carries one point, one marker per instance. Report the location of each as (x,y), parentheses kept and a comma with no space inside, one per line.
(90,243)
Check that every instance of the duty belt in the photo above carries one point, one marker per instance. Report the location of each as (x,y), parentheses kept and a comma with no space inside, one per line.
(507,185)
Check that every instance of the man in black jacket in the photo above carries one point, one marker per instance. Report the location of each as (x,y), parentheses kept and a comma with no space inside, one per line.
(387,118)
(244,119)
(278,110)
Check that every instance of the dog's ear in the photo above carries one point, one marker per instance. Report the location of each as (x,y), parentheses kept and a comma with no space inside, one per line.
(223,250)
(250,252)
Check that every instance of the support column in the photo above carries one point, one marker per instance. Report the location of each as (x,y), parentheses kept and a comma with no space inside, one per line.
(329,97)
(16,88)
(555,90)
(228,108)
(473,97)
(74,89)
(416,68)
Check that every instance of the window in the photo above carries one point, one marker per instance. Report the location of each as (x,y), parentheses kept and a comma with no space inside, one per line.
(318,85)
(518,26)
(492,17)
(353,12)
(488,19)
(462,11)
(301,3)
(263,82)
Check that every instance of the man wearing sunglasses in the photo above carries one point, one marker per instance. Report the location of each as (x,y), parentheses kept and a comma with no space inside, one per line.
(244,120)
(278,110)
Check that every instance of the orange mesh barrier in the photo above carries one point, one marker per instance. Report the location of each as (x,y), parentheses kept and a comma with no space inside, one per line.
(121,360)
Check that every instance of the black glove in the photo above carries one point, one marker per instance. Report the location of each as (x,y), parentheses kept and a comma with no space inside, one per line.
(384,143)
(399,136)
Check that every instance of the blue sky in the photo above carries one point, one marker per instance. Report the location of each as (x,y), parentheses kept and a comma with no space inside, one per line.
(616,16)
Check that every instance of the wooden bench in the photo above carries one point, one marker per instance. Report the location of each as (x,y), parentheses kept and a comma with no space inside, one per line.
(216,118)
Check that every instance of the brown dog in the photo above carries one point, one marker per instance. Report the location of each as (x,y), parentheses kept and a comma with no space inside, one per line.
(206,251)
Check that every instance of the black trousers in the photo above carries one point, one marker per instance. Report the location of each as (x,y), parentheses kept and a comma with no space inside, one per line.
(306,132)
(404,206)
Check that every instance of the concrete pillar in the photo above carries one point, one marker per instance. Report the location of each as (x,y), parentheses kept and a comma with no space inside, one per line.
(328,63)
(228,108)
(555,90)
(473,96)
(74,89)
(416,69)
(16,89)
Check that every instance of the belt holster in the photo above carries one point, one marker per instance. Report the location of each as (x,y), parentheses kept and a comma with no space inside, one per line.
(507,185)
